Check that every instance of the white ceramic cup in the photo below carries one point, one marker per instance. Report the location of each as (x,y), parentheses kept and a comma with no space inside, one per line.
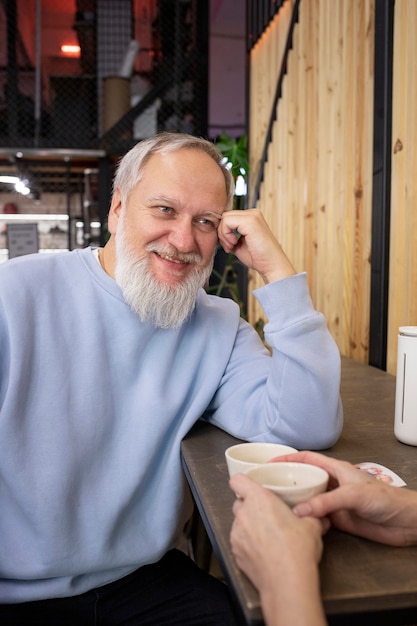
(405,420)
(293,482)
(243,456)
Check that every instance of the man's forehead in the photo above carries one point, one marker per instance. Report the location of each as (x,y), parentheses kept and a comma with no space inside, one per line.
(180,202)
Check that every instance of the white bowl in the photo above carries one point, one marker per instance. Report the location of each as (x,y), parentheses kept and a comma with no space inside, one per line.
(243,456)
(293,482)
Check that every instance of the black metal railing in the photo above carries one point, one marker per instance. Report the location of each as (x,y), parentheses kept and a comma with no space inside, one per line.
(259,14)
(254,194)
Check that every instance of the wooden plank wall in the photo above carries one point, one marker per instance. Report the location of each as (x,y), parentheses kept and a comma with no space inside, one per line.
(402,309)
(317,187)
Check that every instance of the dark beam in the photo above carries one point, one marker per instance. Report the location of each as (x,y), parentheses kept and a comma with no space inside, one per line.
(383,60)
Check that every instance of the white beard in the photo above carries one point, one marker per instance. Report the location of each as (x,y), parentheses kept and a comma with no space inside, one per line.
(166,306)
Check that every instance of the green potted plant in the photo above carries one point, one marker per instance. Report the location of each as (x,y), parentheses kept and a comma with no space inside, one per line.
(229,277)
(235,152)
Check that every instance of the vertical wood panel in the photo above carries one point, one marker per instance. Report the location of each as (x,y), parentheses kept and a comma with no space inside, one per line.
(403,241)
(316,192)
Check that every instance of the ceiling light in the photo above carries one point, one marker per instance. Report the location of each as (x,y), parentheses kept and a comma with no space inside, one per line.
(72,50)
(12,180)
(21,186)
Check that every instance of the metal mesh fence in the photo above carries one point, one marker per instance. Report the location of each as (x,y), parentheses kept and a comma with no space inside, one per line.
(141,68)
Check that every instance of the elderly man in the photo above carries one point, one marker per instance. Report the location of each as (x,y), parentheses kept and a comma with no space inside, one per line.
(108,357)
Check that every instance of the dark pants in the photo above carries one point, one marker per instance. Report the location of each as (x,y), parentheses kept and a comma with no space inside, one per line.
(172,592)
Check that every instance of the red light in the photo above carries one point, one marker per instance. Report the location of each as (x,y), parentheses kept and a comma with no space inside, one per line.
(71,50)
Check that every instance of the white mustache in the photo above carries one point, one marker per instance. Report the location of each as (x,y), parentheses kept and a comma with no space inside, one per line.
(171,253)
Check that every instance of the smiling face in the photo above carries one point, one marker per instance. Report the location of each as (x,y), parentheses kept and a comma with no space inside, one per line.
(170,216)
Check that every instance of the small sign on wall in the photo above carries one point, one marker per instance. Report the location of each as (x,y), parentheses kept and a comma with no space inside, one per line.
(22,239)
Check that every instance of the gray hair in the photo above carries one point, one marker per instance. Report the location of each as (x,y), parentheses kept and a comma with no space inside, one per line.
(131,167)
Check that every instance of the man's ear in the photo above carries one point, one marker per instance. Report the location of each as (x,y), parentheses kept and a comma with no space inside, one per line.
(114,212)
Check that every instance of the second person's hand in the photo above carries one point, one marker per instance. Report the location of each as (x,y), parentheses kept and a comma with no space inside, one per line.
(360,504)
(279,553)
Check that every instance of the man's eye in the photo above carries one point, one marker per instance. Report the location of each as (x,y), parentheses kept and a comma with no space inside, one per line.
(204,221)
(207,224)
(165,210)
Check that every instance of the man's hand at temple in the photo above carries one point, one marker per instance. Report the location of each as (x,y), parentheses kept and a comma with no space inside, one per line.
(248,236)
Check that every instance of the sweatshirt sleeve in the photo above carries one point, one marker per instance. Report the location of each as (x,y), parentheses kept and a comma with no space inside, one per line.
(292,395)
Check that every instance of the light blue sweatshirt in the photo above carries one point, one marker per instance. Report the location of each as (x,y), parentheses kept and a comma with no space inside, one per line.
(94,405)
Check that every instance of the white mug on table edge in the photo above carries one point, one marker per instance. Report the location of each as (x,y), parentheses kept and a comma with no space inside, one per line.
(243,456)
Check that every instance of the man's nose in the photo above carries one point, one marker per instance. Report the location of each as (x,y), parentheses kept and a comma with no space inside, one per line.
(182,235)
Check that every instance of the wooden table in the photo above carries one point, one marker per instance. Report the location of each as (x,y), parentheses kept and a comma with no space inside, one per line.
(362,582)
